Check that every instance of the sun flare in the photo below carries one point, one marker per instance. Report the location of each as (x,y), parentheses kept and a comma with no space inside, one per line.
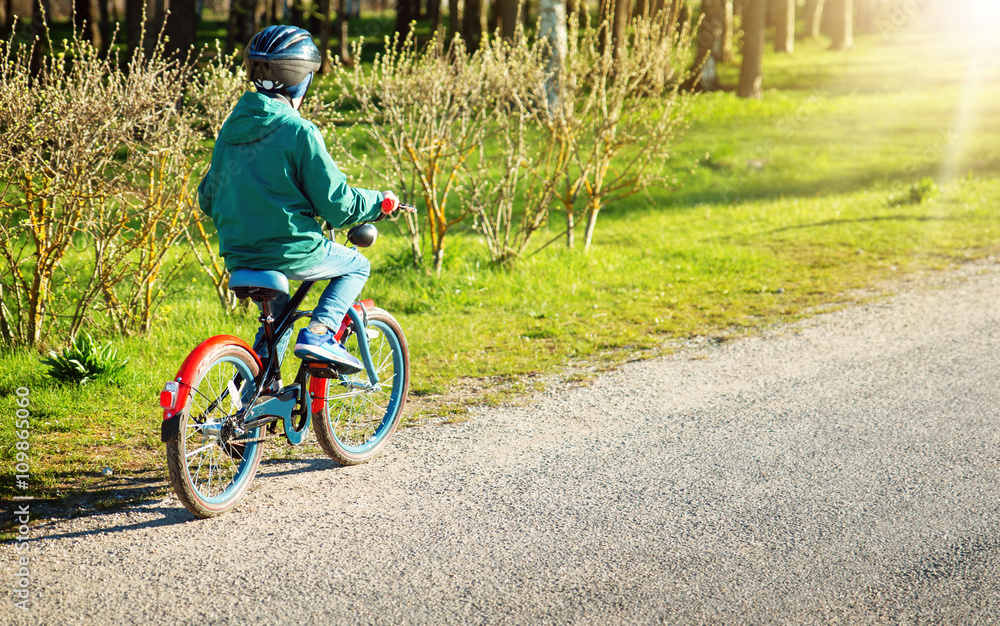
(978,16)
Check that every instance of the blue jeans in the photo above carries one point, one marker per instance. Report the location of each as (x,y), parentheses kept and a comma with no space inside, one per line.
(347,270)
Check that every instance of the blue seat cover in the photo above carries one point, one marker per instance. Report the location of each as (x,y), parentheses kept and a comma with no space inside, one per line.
(262,279)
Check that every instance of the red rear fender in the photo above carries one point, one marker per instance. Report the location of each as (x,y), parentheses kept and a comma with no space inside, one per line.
(185,375)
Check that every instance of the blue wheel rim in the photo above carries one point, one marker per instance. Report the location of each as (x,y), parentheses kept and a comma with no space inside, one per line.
(241,474)
(395,395)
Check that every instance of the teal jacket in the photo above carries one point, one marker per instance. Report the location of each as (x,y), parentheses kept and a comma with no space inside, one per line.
(271,178)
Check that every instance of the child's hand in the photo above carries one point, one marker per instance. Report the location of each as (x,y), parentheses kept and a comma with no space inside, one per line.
(391,203)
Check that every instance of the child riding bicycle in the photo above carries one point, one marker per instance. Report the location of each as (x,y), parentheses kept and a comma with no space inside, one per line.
(270,181)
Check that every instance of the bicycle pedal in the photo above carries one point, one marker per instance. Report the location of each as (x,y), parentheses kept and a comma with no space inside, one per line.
(321,370)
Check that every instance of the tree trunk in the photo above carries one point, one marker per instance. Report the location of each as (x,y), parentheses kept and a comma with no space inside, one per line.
(570,228)
(867,16)
(473,23)
(233,24)
(843,24)
(133,25)
(181,26)
(86,19)
(341,31)
(784,35)
(710,43)
(9,19)
(41,10)
(588,235)
(727,33)
(345,50)
(251,19)
(552,26)
(619,31)
(242,22)
(814,17)
(324,33)
(454,20)
(605,16)
(406,12)
(297,17)
(752,70)
(434,14)
(156,11)
(104,9)
(507,14)
(826,21)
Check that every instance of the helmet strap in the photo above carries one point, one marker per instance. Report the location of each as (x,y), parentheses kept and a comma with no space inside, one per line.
(285,94)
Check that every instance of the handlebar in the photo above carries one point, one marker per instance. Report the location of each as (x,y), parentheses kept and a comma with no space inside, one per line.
(364,234)
(387,206)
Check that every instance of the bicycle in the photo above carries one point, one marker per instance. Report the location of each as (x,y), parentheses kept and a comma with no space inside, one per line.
(225,402)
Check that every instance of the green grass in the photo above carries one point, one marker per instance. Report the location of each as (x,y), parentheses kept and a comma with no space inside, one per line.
(782,208)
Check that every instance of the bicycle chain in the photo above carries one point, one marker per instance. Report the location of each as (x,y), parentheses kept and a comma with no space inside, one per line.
(265,437)
(259,438)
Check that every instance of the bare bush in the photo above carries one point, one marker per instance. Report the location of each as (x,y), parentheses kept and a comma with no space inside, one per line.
(513,182)
(580,126)
(427,112)
(95,167)
(210,99)
(620,114)
(517,127)
(214,90)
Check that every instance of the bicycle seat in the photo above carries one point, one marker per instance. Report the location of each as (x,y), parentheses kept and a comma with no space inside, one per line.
(258,285)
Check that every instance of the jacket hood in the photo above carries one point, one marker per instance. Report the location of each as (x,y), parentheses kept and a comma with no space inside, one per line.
(255,116)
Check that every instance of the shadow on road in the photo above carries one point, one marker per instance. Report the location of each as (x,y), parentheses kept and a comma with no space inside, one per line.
(146,497)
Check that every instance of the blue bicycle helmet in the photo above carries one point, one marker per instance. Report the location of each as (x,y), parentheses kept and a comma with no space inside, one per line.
(282,59)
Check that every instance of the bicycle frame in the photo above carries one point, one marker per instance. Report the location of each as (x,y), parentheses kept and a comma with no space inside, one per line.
(226,401)
(284,404)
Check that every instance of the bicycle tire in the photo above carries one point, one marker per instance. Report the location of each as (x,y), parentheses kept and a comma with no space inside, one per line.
(354,424)
(208,474)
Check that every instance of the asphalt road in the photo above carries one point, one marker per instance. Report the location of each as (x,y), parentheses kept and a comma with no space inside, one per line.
(842,469)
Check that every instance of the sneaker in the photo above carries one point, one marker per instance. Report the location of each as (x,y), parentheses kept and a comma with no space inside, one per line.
(312,347)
